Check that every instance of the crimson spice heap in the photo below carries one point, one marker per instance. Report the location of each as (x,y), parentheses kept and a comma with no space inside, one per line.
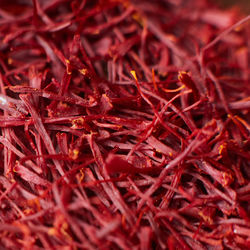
(124,125)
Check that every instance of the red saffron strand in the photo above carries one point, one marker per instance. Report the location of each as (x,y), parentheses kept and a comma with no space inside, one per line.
(92,158)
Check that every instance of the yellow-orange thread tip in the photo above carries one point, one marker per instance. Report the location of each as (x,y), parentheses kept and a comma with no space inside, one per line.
(132,72)
(83,71)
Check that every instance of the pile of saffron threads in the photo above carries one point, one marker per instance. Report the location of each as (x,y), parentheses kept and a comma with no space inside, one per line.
(124,125)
